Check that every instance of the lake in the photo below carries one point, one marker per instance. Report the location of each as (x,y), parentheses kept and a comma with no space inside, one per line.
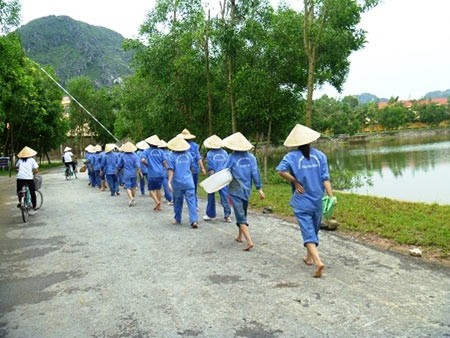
(415,168)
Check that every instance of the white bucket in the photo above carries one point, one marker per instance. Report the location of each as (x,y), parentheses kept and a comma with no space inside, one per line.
(217,181)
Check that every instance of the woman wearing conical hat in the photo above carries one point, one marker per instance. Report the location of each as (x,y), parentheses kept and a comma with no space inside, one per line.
(89,158)
(26,167)
(69,159)
(110,161)
(130,163)
(195,152)
(167,193)
(216,158)
(181,181)
(154,159)
(244,169)
(306,168)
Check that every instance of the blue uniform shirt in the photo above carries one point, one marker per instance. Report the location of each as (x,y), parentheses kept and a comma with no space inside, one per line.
(310,174)
(141,154)
(195,153)
(130,162)
(181,163)
(217,158)
(244,169)
(155,158)
(109,163)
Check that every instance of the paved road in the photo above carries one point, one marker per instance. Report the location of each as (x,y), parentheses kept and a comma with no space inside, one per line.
(87,265)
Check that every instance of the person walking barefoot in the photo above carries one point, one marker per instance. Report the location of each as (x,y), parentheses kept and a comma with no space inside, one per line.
(244,170)
(306,168)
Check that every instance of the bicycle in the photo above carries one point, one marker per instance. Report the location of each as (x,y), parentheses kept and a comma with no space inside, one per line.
(25,198)
(69,173)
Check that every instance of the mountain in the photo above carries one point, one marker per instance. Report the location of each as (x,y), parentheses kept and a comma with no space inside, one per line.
(437,94)
(74,48)
(367,98)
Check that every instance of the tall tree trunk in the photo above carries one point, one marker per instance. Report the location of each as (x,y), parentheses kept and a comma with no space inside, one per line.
(229,72)
(266,149)
(208,76)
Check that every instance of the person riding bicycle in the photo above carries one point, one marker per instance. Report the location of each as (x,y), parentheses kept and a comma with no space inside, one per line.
(69,159)
(26,167)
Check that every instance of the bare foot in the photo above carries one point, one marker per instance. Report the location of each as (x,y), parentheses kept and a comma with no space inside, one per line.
(308,261)
(175,222)
(249,246)
(237,239)
(319,271)
(157,206)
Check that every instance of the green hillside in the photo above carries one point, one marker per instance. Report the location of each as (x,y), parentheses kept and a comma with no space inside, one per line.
(74,48)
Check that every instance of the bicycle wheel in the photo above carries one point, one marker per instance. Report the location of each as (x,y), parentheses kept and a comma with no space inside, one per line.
(75,173)
(39,199)
(67,174)
(24,209)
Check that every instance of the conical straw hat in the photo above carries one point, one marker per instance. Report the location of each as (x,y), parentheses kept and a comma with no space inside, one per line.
(67,149)
(89,148)
(301,135)
(109,147)
(128,147)
(213,142)
(97,148)
(26,152)
(237,142)
(142,145)
(162,144)
(153,140)
(178,143)
(186,134)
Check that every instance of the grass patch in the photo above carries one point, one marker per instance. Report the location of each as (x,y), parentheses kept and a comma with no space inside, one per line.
(406,223)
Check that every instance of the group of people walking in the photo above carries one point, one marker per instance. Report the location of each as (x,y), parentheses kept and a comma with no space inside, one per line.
(174,168)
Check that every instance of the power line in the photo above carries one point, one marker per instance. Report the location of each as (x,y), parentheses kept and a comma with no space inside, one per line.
(76,101)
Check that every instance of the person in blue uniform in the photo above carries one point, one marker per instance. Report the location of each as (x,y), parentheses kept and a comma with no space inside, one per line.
(131,164)
(245,172)
(181,182)
(110,160)
(154,159)
(195,153)
(306,168)
(89,157)
(216,158)
(165,184)
(142,146)
(97,165)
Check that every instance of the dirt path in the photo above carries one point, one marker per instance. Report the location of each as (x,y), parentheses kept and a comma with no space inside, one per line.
(87,265)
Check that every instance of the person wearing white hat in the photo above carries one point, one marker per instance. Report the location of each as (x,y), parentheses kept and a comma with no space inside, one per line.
(142,145)
(216,158)
(69,159)
(110,161)
(97,166)
(306,168)
(153,158)
(26,167)
(167,193)
(245,172)
(195,152)
(130,163)
(89,158)
(181,181)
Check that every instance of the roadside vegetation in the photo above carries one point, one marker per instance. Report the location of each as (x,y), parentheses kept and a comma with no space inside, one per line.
(414,224)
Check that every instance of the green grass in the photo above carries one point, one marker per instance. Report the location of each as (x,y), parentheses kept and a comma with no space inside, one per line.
(424,225)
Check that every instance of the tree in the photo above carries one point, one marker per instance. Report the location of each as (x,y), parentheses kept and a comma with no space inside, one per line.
(30,103)
(9,15)
(330,35)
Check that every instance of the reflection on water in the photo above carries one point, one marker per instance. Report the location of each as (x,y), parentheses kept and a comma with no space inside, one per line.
(405,169)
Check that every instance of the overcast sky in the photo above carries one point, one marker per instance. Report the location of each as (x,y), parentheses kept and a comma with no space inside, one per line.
(407,52)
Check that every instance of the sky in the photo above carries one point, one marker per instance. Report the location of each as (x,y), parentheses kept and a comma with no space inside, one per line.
(407,53)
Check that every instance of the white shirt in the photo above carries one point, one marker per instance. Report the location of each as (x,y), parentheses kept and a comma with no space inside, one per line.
(68,156)
(26,168)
